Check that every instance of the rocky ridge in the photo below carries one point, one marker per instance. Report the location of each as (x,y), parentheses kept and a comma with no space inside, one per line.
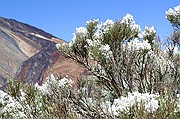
(29,54)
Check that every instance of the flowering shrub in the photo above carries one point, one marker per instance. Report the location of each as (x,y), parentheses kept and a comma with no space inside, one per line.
(10,107)
(51,81)
(119,56)
(35,101)
(124,59)
(131,76)
(173,15)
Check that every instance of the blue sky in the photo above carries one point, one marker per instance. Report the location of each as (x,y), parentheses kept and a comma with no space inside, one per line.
(61,17)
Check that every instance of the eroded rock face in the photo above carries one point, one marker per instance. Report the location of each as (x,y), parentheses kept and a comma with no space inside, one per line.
(11,56)
(38,64)
(29,54)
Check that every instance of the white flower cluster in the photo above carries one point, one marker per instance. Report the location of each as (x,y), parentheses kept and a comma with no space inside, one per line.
(105,26)
(58,46)
(149,31)
(105,50)
(136,44)
(64,45)
(65,82)
(92,21)
(108,22)
(81,30)
(93,43)
(123,104)
(46,87)
(172,12)
(101,28)
(128,19)
(10,106)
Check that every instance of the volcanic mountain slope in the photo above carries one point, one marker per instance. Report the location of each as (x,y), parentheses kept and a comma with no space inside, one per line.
(29,54)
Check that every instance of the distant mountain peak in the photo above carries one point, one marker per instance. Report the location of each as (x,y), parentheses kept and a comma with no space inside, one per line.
(29,53)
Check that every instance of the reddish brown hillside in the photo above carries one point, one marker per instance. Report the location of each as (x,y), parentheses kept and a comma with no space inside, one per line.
(29,54)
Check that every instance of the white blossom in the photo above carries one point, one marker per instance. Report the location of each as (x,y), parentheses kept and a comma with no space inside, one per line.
(92,21)
(65,82)
(152,105)
(146,45)
(2,95)
(93,43)
(148,31)
(123,104)
(106,50)
(127,19)
(98,34)
(108,22)
(135,26)
(136,44)
(61,45)
(22,95)
(106,25)
(102,28)
(46,87)
(172,12)
(58,46)
(11,107)
(81,30)
(177,9)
